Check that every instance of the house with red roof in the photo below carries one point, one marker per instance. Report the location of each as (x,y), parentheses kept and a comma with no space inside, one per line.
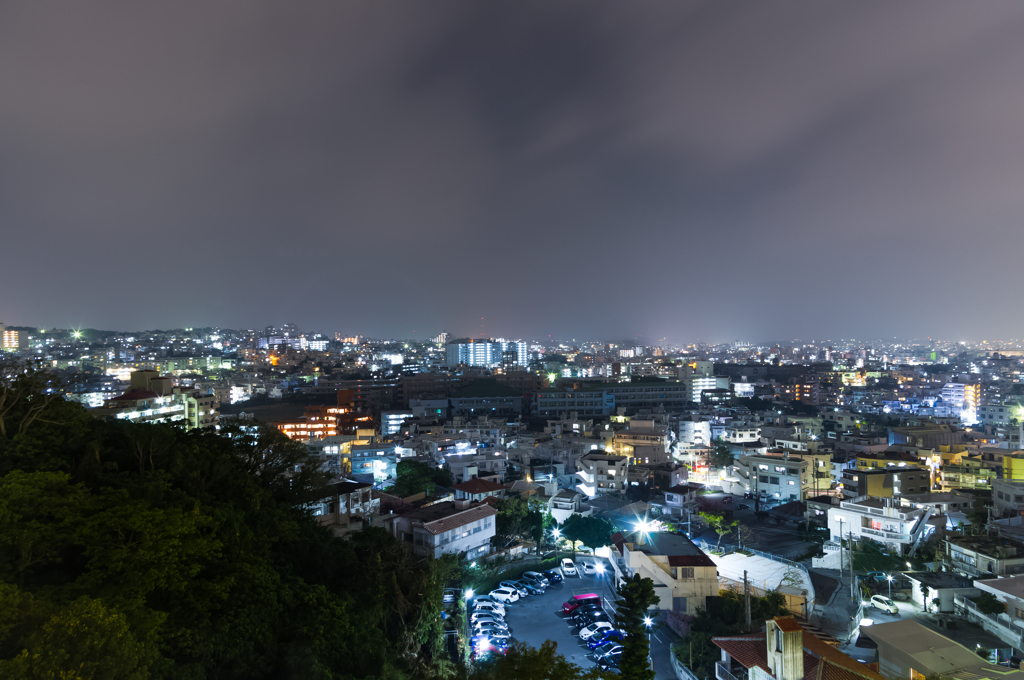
(786,651)
(477,489)
(683,575)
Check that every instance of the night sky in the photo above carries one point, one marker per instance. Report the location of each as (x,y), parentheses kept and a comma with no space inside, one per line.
(679,170)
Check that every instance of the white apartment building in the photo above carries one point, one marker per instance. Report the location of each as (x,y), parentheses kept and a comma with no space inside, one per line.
(695,433)
(880,520)
(448,527)
(984,556)
(601,473)
(780,477)
(742,433)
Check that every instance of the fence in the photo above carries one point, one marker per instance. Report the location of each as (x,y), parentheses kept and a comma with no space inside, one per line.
(1004,630)
(681,671)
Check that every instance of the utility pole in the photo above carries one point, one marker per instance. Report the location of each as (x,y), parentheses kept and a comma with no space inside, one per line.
(746,597)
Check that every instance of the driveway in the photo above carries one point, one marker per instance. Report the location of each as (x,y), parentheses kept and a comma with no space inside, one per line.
(537,618)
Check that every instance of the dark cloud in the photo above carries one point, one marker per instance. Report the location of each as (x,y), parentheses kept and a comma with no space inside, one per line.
(682,170)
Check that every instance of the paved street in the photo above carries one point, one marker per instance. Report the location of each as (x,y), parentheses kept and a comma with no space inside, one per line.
(537,618)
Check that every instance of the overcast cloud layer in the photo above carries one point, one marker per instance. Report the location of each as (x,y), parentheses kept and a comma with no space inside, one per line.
(678,170)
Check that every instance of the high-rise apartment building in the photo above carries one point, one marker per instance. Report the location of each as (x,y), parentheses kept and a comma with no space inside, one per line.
(488,353)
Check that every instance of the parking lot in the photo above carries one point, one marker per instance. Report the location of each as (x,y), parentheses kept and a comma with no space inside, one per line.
(537,618)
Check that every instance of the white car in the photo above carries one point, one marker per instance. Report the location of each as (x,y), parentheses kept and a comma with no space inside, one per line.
(504,595)
(589,568)
(489,607)
(568,568)
(597,627)
(885,604)
(490,629)
(486,616)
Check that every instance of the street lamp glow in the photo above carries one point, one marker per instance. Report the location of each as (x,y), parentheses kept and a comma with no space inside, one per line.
(647,621)
(472,564)
(600,569)
(469,593)
(556,533)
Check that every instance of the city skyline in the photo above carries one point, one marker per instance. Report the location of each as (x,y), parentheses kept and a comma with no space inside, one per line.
(690,171)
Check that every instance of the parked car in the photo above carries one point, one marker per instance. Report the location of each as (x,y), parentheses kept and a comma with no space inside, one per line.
(609,663)
(514,585)
(585,609)
(553,576)
(568,568)
(483,646)
(577,601)
(536,577)
(877,576)
(589,568)
(608,651)
(477,617)
(488,606)
(592,618)
(531,587)
(489,628)
(605,637)
(885,604)
(743,506)
(449,595)
(727,499)
(596,627)
(505,595)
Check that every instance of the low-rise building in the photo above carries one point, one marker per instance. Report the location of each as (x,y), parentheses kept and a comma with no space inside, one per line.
(886,482)
(984,556)
(478,489)
(785,651)
(879,520)
(683,575)
(447,527)
(908,649)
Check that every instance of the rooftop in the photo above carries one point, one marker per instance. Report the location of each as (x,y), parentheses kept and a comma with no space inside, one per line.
(485,388)
(442,517)
(681,551)
(1012,586)
(477,485)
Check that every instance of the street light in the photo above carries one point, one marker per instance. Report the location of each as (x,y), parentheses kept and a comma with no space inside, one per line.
(647,622)
(556,533)
(469,593)
(889,579)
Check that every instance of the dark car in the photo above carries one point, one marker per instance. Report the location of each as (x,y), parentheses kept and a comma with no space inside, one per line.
(607,663)
(743,506)
(604,637)
(592,617)
(610,650)
(553,576)
(585,609)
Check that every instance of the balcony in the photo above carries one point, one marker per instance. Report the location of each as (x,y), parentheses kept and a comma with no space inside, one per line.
(736,672)
(890,535)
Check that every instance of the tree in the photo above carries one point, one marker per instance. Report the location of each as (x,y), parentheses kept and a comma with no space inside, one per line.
(413,477)
(746,536)
(636,595)
(593,532)
(718,523)
(988,604)
(524,662)
(723,456)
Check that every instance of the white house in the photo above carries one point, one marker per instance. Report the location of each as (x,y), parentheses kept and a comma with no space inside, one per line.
(448,527)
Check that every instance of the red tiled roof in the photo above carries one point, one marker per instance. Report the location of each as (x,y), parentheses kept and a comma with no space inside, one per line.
(787,623)
(748,650)
(821,660)
(701,560)
(477,485)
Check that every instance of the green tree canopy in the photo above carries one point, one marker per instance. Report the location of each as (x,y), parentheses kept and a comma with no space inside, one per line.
(137,551)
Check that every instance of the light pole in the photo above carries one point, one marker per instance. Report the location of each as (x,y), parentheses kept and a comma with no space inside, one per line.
(647,622)
(889,579)
(556,533)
